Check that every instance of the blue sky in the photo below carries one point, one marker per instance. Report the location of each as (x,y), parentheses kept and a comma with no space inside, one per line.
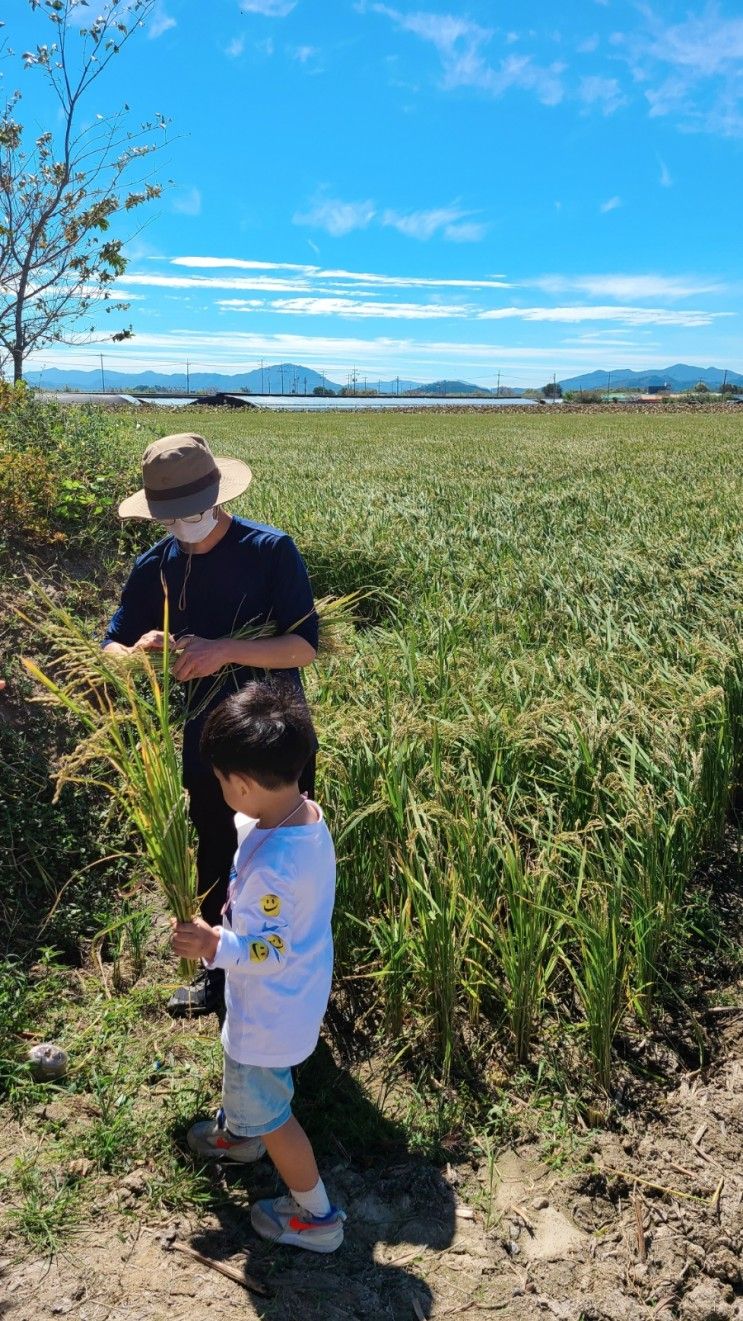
(432,188)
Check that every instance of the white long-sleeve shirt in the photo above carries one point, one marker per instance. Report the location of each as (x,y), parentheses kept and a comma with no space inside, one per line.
(276,944)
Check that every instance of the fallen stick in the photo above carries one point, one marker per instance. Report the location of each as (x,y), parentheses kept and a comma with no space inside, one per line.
(642,1246)
(239,1277)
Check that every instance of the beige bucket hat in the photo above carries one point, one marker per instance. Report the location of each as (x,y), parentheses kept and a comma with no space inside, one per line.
(181,476)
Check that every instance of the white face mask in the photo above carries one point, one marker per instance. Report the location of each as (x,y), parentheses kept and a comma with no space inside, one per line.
(191,533)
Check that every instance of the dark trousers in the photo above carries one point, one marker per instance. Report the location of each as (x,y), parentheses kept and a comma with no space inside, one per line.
(217,839)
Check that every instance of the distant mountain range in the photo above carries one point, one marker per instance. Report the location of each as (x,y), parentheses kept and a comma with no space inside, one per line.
(278,378)
(677,378)
(292,378)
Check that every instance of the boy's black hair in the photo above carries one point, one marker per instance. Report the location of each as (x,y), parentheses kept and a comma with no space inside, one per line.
(264,731)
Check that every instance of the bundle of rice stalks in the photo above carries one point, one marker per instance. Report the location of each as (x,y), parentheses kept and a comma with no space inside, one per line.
(123,705)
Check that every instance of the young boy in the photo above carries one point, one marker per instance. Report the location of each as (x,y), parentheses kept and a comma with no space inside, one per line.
(275,945)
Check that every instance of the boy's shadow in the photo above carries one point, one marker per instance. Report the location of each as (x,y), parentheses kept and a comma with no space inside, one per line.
(398,1205)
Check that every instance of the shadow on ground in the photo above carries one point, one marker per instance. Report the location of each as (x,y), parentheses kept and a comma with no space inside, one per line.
(398,1205)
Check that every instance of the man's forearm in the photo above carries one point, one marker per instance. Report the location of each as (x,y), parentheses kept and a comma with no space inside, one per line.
(288,652)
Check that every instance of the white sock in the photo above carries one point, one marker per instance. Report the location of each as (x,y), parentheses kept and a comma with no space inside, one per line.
(315,1200)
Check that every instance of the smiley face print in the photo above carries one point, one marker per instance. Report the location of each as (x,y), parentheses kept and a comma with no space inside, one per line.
(258,951)
(277,942)
(271,905)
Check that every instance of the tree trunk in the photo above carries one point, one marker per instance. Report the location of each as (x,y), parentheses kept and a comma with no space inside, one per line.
(17,355)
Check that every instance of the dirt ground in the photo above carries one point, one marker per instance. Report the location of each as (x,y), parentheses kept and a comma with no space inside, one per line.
(642,1219)
(650,1226)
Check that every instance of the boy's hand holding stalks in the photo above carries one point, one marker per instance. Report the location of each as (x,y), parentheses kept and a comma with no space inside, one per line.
(194,939)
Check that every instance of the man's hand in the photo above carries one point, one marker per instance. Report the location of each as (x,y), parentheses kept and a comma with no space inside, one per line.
(152,641)
(198,657)
(193,940)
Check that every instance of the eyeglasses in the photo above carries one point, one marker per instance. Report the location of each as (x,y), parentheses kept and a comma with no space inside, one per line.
(187,518)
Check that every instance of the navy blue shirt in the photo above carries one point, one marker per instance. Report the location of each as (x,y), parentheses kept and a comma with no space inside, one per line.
(253,575)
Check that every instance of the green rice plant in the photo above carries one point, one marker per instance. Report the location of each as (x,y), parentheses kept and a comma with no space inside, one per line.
(598,963)
(524,929)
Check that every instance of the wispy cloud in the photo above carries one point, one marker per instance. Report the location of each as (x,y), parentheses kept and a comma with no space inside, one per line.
(357,278)
(235,47)
(188,202)
(303,54)
(449,222)
(161,22)
(604,94)
(461,43)
(629,316)
(692,71)
(269,8)
(350,307)
(625,287)
(337,217)
(664,178)
(610,205)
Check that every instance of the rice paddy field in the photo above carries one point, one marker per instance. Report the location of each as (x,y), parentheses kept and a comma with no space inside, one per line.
(531,742)
(535,732)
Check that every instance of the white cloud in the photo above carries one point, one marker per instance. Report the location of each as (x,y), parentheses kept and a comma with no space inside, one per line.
(269,8)
(337,217)
(630,316)
(460,45)
(469,231)
(627,286)
(350,307)
(235,47)
(610,205)
(205,283)
(692,71)
(188,202)
(604,94)
(304,53)
(451,222)
(363,278)
(589,45)
(665,179)
(161,22)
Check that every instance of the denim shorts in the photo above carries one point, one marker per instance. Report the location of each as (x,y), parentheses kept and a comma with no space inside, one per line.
(255,1100)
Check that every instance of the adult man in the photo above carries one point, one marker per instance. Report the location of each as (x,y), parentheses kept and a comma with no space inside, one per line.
(221,573)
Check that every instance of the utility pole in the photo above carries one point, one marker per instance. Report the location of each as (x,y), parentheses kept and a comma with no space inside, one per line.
(305,385)
(281,369)
(397,384)
(724,381)
(261,376)
(608,382)
(497,388)
(188,377)
(103,379)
